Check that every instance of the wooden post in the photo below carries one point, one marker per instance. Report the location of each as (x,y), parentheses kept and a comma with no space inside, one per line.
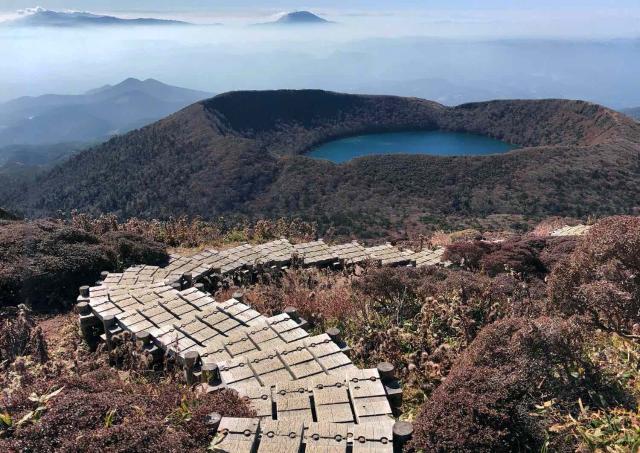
(84,291)
(335,335)
(188,280)
(88,322)
(391,386)
(190,360)
(213,422)
(386,371)
(108,322)
(402,433)
(293,313)
(210,374)
(143,339)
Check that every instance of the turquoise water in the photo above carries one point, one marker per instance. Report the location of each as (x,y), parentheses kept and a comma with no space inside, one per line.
(435,143)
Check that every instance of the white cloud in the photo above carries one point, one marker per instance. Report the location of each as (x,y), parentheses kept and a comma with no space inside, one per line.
(28,11)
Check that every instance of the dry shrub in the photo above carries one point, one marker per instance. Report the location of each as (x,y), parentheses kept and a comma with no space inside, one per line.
(601,278)
(323,298)
(42,263)
(420,319)
(485,403)
(99,411)
(468,254)
(519,255)
(194,232)
(20,336)
(529,256)
(440,239)
(465,235)
(556,250)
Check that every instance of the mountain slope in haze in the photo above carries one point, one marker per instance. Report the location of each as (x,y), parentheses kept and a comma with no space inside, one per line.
(93,116)
(26,161)
(41,17)
(633,112)
(243,153)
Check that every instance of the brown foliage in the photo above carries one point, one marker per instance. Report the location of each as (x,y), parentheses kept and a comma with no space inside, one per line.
(601,279)
(19,336)
(468,254)
(420,319)
(99,411)
(100,408)
(485,402)
(529,256)
(42,263)
(519,255)
(193,232)
(322,298)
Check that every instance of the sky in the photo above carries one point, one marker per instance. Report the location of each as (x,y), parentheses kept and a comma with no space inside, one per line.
(448,50)
(551,18)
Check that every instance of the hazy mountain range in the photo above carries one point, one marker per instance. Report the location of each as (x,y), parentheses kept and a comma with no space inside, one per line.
(633,112)
(36,132)
(41,17)
(94,115)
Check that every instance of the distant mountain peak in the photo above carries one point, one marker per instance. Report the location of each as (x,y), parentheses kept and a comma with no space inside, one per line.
(298,18)
(42,17)
(301,16)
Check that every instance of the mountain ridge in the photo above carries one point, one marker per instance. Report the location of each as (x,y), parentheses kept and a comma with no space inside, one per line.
(242,153)
(91,116)
(41,17)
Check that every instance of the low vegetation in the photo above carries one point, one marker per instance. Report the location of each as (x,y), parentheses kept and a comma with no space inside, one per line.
(42,263)
(74,401)
(195,232)
(509,349)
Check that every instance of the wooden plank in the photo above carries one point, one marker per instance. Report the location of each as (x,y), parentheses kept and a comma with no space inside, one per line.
(324,437)
(281,436)
(236,435)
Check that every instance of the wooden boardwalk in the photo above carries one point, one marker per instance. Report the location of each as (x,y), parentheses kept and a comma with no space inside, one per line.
(304,388)
(576,230)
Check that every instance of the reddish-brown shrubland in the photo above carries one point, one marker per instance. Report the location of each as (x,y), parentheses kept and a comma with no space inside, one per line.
(529,256)
(20,336)
(601,278)
(42,263)
(515,255)
(184,231)
(485,403)
(321,297)
(75,402)
(101,411)
(468,254)
(420,319)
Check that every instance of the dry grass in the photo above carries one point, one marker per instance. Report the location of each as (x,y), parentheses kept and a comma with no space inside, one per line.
(196,233)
